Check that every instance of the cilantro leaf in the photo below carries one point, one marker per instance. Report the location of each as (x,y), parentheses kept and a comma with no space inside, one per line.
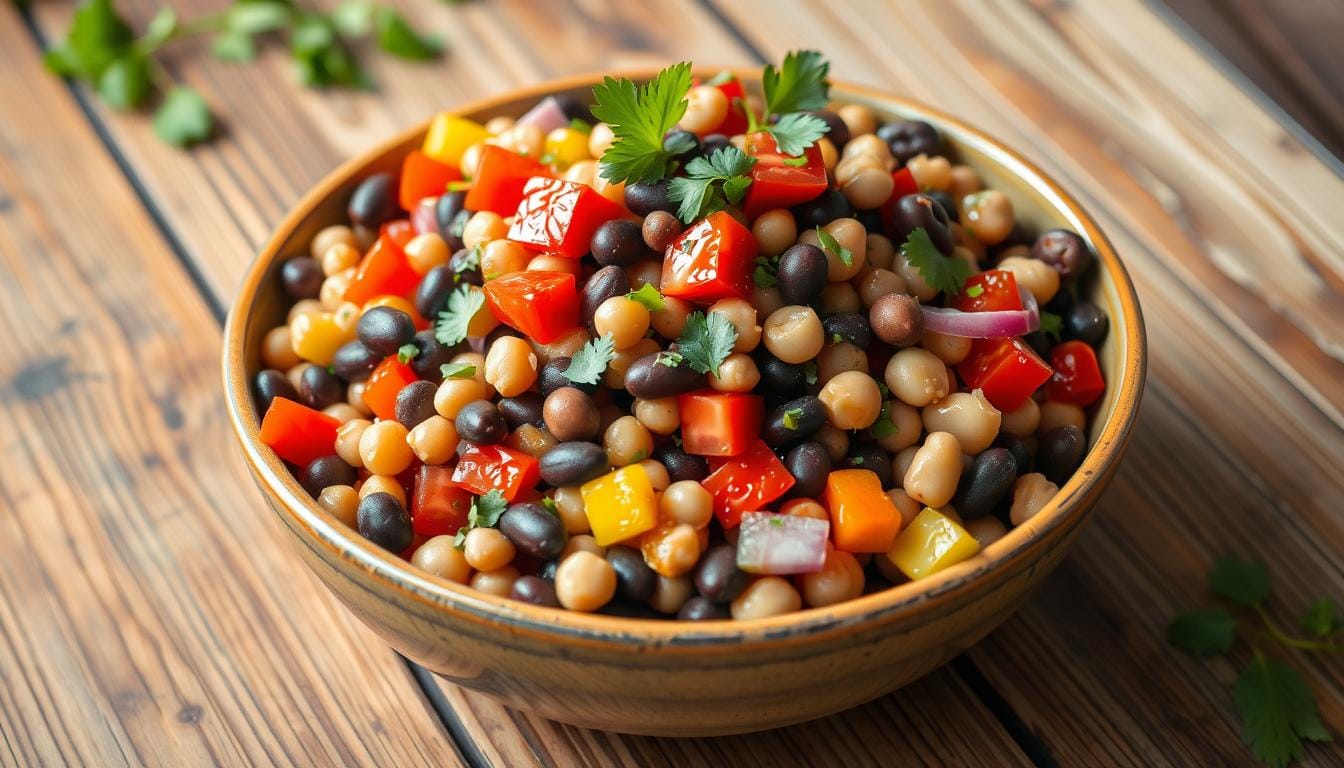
(484,513)
(1244,583)
(591,361)
(792,417)
(258,16)
(1321,619)
(945,273)
(98,35)
(830,244)
(183,118)
(885,426)
(765,275)
(463,304)
(639,117)
(669,359)
(353,18)
(1203,633)
(457,370)
(233,46)
(711,183)
(395,35)
(648,296)
(407,352)
(1278,711)
(706,341)
(1050,322)
(795,132)
(160,29)
(810,373)
(975,291)
(799,84)
(125,83)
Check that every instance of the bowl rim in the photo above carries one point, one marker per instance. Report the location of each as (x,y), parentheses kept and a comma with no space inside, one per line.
(1067,510)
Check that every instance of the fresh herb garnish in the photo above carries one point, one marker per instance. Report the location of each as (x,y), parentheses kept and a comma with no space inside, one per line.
(463,304)
(792,417)
(975,291)
(885,426)
(706,341)
(458,370)
(550,505)
(856,461)
(796,132)
(810,373)
(639,117)
(591,361)
(833,246)
(711,183)
(407,352)
(582,126)
(669,359)
(765,274)
(777,522)
(648,296)
(1051,323)
(796,162)
(484,513)
(799,84)
(945,273)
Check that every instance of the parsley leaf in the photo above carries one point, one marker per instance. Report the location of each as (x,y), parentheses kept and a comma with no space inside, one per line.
(1278,711)
(457,370)
(1203,633)
(706,341)
(484,513)
(791,418)
(648,296)
(125,83)
(711,183)
(183,118)
(794,133)
(591,361)
(638,118)
(463,304)
(829,243)
(407,352)
(766,273)
(945,273)
(1244,583)
(1051,323)
(1321,619)
(799,84)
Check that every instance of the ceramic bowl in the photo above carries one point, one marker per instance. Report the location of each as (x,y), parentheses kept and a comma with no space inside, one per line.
(678,678)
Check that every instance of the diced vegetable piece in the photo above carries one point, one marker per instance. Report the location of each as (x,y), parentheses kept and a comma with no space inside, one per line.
(399,231)
(781,545)
(776,179)
(543,305)
(449,136)
(992,291)
(484,468)
(863,519)
(315,337)
(735,121)
(499,181)
(385,383)
(565,146)
(559,216)
(931,543)
(719,423)
(711,260)
(438,506)
(422,176)
(298,433)
(548,114)
(619,505)
(1006,369)
(1077,378)
(746,483)
(384,270)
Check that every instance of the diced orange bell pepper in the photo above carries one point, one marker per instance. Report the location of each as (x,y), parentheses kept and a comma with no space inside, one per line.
(422,176)
(298,433)
(863,519)
(932,542)
(385,383)
(384,270)
(619,505)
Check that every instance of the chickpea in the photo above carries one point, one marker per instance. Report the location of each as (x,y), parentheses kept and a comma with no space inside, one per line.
(486,549)
(868,144)
(962,181)
(742,315)
(383,484)
(834,440)
(627,441)
(383,448)
(765,300)
(657,473)
(336,234)
(501,257)
(916,376)
(1031,493)
(498,583)
(934,470)
(482,227)
(582,172)
(869,188)
(881,251)
(583,543)
(775,230)
(835,359)
(295,374)
(346,317)
(829,154)
(917,285)
(549,262)
(434,440)
(341,501)
(852,400)
(876,283)
(706,107)
(612,190)
(858,118)
(455,393)
(569,505)
(471,159)
(840,298)
(967,248)
(339,258)
(671,593)
(687,501)
(1033,274)
(600,139)
(671,319)
(354,395)
(523,139)
(840,579)
(510,366)
(988,215)
(850,167)
(304,307)
(909,426)
(347,441)
(565,346)
(949,349)
(662,416)
(1054,414)
(900,463)
(439,557)
(426,251)
(498,124)
(277,351)
(794,334)
(967,416)
(624,319)
(584,582)
(986,530)
(931,173)
(908,507)
(737,373)
(1022,421)
(342,412)
(850,234)
(766,597)
(805,508)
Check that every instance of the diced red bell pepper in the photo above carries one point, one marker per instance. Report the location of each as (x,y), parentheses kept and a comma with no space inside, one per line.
(559,216)
(399,231)
(776,180)
(905,184)
(484,468)
(384,384)
(298,433)
(438,506)
(719,423)
(1077,378)
(499,180)
(735,121)
(1006,370)
(422,176)
(991,291)
(711,260)
(384,270)
(746,483)
(543,305)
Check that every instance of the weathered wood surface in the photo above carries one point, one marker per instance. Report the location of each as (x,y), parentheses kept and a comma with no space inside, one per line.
(1229,226)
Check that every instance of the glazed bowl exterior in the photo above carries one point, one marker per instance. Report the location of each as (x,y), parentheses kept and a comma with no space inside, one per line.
(677,678)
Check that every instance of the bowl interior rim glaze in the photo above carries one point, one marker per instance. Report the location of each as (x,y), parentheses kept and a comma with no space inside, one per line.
(1067,509)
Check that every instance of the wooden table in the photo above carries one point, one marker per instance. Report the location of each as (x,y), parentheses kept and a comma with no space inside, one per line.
(150,611)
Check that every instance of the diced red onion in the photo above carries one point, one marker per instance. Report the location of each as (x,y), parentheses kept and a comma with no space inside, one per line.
(985,325)
(423,218)
(780,545)
(546,115)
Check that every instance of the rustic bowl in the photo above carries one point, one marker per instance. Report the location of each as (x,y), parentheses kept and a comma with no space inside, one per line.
(679,678)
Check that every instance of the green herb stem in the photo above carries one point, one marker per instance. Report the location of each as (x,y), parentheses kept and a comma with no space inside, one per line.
(1273,630)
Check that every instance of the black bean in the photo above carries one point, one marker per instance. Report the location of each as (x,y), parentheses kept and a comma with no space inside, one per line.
(717,576)
(713,143)
(801,274)
(383,520)
(794,421)
(848,326)
(384,330)
(302,277)
(838,131)
(466,264)
(1087,323)
(481,422)
(778,377)
(873,458)
(823,209)
(429,361)
(984,484)
(809,463)
(619,242)
(522,409)
(909,138)
(701,608)
(680,464)
(546,571)
(534,590)
(1062,303)
(574,108)
(643,199)
(552,377)
(635,580)
(499,332)
(325,471)
(415,403)
(1064,250)
(270,384)
(319,388)
(573,463)
(649,379)
(533,529)
(1020,450)
(945,200)
(373,202)
(446,212)
(1060,452)
(919,211)
(432,294)
(605,283)
(681,145)
(354,361)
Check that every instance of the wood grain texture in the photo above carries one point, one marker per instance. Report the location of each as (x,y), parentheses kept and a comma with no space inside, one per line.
(149,612)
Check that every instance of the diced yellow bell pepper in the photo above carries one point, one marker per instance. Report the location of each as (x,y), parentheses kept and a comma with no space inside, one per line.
(566,146)
(931,543)
(450,135)
(619,504)
(316,336)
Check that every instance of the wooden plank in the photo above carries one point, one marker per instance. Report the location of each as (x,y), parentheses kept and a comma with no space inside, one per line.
(149,611)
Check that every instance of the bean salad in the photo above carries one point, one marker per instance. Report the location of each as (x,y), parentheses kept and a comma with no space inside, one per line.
(683,351)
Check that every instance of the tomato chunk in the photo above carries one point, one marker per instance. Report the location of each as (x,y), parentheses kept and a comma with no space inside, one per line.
(385,383)
(438,506)
(991,291)
(559,216)
(863,519)
(735,121)
(746,483)
(383,270)
(1077,378)
(298,433)
(484,468)
(719,423)
(711,260)
(1007,370)
(776,180)
(422,176)
(543,305)
(499,180)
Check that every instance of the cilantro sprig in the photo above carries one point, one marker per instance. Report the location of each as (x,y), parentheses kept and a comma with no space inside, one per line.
(706,341)
(711,183)
(463,304)
(638,117)
(945,273)
(798,85)
(591,361)
(484,513)
(1277,707)
(648,296)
